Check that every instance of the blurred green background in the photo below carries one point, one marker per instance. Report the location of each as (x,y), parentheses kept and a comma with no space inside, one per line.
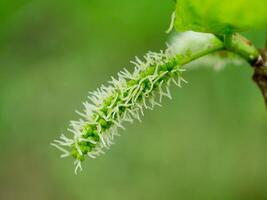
(210,142)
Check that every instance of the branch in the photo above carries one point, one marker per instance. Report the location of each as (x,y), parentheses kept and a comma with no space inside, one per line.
(260,74)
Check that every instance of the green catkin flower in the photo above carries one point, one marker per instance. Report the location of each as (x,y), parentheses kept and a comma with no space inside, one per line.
(125,99)
(122,101)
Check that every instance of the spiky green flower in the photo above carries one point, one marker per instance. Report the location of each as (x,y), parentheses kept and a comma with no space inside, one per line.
(126,98)
(123,100)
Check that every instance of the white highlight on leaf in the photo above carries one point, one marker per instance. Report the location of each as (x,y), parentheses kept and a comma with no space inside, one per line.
(194,41)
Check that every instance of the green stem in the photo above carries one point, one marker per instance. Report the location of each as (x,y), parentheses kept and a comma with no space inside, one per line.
(215,44)
(243,47)
(235,43)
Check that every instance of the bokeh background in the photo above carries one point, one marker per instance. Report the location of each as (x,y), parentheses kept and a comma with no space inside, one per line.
(210,142)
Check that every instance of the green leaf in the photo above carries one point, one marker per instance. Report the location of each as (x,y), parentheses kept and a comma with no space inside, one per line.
(220,16)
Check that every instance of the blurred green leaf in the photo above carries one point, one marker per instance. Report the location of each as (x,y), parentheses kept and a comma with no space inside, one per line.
(220,16)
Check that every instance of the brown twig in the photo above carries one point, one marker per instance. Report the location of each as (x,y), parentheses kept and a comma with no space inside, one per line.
(260,73)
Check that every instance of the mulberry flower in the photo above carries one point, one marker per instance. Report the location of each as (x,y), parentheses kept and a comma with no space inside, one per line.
(124,100)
